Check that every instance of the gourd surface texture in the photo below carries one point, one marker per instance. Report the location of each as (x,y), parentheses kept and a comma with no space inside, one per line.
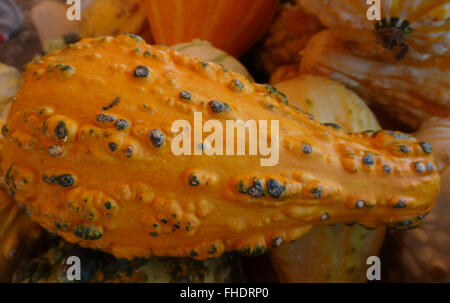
(88,153)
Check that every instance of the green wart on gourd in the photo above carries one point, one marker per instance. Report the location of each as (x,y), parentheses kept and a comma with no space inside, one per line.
(218,107)
(64,180)
(64,70)
(271,90)
(258,250)
(193,180)
(237,85)
(112,103)
(88,232)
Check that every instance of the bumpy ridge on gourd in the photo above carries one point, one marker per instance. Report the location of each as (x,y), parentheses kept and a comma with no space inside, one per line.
(18,234)
(117,186)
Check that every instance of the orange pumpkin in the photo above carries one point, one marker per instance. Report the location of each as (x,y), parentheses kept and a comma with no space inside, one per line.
(233,26)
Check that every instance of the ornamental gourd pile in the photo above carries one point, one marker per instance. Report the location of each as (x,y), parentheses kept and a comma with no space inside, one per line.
(88,155)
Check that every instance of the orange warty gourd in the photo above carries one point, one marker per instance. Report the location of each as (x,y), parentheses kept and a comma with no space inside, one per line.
(89,155)
(18,234)
(233,26)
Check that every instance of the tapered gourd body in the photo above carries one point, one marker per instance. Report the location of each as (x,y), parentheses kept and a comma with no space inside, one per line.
(88,152)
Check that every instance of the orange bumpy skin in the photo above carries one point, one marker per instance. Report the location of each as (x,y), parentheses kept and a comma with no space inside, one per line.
(79,156)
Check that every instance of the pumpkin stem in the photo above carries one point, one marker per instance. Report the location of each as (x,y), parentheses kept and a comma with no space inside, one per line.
(390,34)
(392,38)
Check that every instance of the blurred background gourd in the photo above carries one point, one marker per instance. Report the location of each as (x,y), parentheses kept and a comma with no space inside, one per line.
(233,26)
(419,29)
